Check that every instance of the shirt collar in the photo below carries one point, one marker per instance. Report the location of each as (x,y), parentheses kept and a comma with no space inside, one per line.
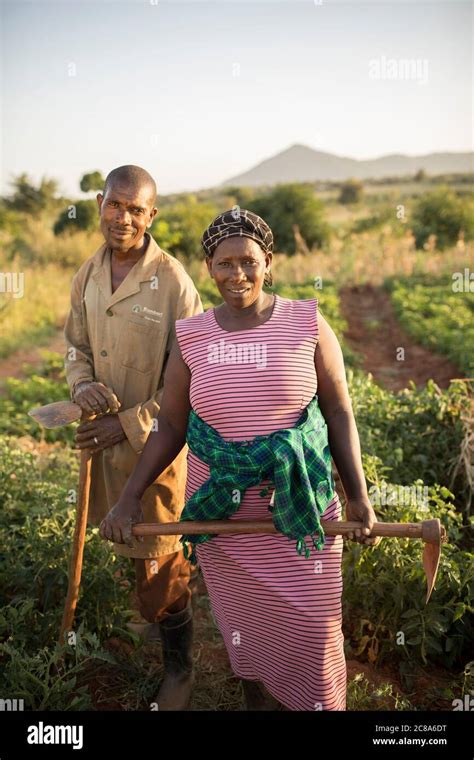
(142,271)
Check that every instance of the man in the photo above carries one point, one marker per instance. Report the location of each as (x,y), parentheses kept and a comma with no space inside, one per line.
(124,303)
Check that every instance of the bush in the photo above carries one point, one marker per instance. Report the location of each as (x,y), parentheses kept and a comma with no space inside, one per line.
(30,199)
(293,210)
(92,181)
(37,516)
(47,678)
(442,213)
(385,587)
(11,221)
(186,219)
(166,238)
(81,215)
(36,526)
(351,191)
(417,432)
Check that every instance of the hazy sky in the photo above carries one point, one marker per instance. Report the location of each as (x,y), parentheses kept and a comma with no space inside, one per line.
(197,92)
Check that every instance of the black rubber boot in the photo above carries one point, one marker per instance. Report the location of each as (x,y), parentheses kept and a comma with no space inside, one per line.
(176,633)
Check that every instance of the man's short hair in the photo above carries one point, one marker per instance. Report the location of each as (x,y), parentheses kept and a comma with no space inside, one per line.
(131,175)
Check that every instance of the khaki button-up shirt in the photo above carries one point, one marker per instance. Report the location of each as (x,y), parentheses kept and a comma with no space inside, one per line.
(123,339)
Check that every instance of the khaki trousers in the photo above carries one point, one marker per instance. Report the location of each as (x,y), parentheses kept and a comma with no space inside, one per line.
(164,585)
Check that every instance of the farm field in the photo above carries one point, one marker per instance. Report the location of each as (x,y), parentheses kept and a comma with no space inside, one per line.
(408,342)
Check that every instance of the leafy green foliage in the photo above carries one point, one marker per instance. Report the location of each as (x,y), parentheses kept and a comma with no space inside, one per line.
(43,386)
(291,206)
(36,527)
(30,199)
(436,316)
(167,237)
(417,432)
(11,221)
(81,215)
(186,220)
(444,214)
(351,191)
(47,678)
(92,181)
(363,696)
(385,588)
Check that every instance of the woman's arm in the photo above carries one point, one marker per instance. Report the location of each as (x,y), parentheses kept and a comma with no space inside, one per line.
(335,404)
(161,448)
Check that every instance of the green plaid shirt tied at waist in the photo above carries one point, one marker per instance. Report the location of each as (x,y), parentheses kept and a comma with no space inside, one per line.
(296,460)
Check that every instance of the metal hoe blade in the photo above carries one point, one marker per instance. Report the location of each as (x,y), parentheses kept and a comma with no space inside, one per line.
(56,414)
(434,535)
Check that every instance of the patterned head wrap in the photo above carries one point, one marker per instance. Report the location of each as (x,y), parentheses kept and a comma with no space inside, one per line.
(238,222)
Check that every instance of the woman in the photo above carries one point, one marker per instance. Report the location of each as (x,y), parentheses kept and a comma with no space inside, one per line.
(241,387)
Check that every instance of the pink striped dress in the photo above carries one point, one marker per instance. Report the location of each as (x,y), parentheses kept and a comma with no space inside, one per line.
(279,613)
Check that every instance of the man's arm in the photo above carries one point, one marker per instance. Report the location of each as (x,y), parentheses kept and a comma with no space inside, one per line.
(92,397)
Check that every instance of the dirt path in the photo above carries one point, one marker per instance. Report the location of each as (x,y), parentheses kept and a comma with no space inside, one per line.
(375,333)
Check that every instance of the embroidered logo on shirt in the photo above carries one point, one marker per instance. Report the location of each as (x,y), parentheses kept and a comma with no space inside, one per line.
(145,312)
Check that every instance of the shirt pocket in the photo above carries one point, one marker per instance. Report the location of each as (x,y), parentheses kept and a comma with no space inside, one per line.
(140,345)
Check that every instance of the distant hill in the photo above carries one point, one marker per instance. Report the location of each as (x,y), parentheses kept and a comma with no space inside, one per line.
(302,164)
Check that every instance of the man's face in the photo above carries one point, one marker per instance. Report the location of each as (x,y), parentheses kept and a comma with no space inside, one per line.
(125,214)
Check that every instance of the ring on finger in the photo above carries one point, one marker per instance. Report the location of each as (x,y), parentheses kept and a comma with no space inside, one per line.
(96,440)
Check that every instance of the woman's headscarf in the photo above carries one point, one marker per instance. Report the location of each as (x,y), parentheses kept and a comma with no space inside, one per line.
(238,222)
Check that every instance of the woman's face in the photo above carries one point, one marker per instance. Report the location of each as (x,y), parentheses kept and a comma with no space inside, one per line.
(238,267)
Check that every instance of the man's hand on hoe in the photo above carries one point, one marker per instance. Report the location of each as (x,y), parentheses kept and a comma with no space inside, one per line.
(96,398)
(103,431)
